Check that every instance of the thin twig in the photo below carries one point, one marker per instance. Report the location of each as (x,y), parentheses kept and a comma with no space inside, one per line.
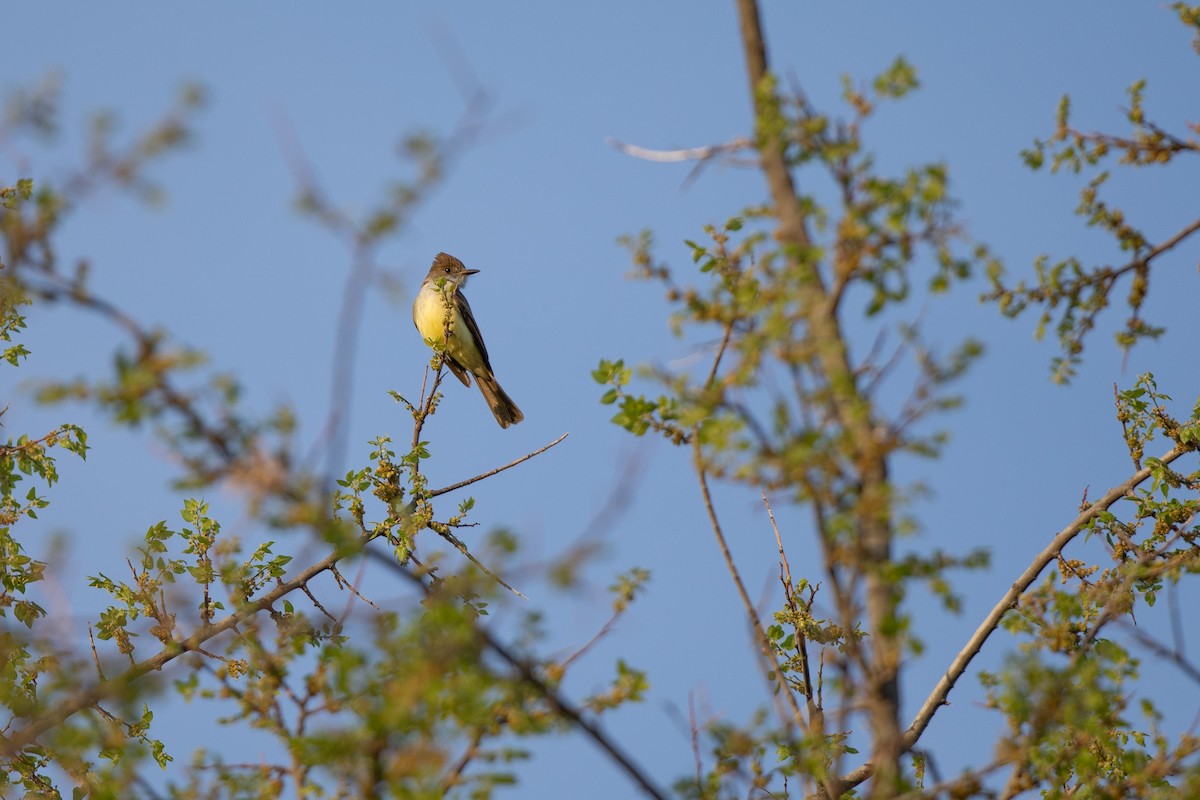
(317,602)
(600,634)
(1176,620)
(95,655)
(462,548)
(1155,252)
(490,473)
(358,279)
(454,774)
(801,640)
(426,402)
(760,632)
(619,498)
(354,592)
(1162,651)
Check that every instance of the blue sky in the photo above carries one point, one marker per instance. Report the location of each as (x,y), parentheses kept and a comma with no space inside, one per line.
(228,266)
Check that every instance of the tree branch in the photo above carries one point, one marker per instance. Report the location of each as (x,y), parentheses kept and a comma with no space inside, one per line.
(490,473)
(680,154)
(15,743)
(959,665)
(86,698)
(771,147)
(527,673)
(865,450)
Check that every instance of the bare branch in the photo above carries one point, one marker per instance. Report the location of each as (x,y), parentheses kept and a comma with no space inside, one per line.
(354,592)
(490,473)
(686,154)
(1155,252)
(959,665)
(444,532)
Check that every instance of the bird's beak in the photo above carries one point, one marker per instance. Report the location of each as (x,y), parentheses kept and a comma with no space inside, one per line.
(470,271)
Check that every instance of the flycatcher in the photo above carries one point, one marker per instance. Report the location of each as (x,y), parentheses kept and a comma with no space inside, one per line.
(442,314)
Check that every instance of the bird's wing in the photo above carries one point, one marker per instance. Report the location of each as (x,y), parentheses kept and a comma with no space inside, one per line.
(458,370)
(464,310)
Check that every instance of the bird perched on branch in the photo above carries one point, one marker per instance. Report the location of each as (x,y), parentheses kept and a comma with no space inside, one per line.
(443,315)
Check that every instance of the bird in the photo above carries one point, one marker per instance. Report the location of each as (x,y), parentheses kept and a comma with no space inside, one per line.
(442,314)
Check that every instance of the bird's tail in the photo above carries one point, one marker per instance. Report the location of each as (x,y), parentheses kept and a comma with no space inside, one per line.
(502,406)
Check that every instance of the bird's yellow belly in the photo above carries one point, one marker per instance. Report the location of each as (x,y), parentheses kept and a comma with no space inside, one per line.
(429,314)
